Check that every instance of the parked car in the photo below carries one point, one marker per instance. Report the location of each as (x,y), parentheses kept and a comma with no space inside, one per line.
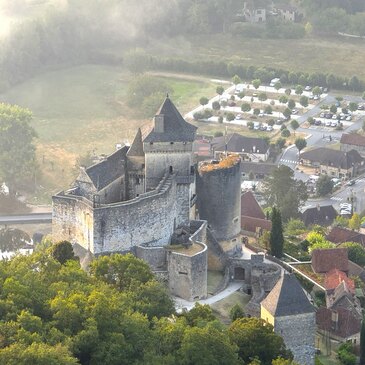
(238,116)
(322,115)
(349,118)
(231,103)
(328,115)
(316,97)
(254,94)
(317,122)
(361,107)
(346,206)
(351,182)
(261,115)
(334,124)
(263,127)
(327,123)
(337,104)
(279,121)
(334,116)
(307,88)
(294,111)
(269,128)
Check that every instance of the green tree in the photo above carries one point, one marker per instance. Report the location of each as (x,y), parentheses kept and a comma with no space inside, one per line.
(294,124)
(256,111)
(17,151)
(62,251)
(299,89)
(245,107)
(356,252)
(219,90)
(203,101)
(291,104)
(345,354)
(256,83)
(353,106)
(262,97)
(317,91)
(236,311)
(283,99)
(303,101)
(355,222)
(268,109)
(285,133)
(333,109)
(276,235)
(324,185)
(13,239)
(230,117)
(256,338)
(284,192)
(216,105)
(236,80)
(288,92)
(278,86)
(207,346)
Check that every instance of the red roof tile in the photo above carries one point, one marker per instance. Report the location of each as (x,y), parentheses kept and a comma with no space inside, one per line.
(334,277)
(324,260)
(250,224)
(353,139)
(340,235)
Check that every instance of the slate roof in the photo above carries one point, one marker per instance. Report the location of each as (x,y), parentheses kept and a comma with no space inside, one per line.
(250,207)
(334,158)
(106,171)
(335,277)
(348,323)
(323,215)
(287,298)
(136,149)
(260,168)
(238,143)
(176,129)
(324,260)
(353,139)
(339,235)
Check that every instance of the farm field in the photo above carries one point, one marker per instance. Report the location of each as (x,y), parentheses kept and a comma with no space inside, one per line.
(340,56)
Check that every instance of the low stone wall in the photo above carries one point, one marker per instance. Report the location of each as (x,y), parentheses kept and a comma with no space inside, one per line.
(154,256)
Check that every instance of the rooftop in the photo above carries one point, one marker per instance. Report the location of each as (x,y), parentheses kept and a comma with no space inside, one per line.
(287,298)
(353,139)
(324,260)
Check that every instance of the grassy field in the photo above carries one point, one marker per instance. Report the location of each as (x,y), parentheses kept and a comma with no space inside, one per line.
(340,56)
(81,109)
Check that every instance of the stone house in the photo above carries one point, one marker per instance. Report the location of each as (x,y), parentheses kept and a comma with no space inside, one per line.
(249,148)
(353,141)
(289,311)
(322,215)
(259,170)
(334,163)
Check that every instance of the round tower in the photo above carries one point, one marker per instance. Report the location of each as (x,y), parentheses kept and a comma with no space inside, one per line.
(218,188)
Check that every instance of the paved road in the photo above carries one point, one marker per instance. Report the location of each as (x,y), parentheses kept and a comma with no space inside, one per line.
(27,218)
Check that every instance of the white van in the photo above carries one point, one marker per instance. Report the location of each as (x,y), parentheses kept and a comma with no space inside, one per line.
(274,81)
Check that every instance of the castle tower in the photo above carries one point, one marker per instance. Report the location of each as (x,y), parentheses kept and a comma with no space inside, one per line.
(293,317)
(167,145)
(218,188)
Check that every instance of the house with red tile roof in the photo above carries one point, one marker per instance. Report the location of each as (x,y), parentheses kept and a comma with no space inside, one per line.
(253,219)
(353,141)
(324,260)
(340,235)
(335,277)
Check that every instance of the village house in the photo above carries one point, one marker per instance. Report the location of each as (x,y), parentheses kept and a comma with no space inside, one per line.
(353,141)
(252,149)
(255,170)
(340,235)
(253,219)
(334,163)
(253,15)
(322,215)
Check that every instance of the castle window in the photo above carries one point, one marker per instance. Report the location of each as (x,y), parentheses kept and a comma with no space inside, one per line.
(171,142)
(151,143)
(183,273)
(171,170)
(137,180)
(192,170)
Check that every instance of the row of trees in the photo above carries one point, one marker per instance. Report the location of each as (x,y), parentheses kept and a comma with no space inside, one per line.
(143,61)
(53,312)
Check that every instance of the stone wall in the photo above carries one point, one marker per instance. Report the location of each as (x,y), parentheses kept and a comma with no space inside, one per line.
(149,219)
(72,220)
(219,200)
(298,332)
(160,157)
(154,256)
(188,273)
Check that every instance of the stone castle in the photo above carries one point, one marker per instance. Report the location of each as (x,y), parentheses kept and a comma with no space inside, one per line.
(153,200)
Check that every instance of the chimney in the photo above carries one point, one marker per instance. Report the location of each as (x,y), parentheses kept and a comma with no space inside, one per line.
(159,123)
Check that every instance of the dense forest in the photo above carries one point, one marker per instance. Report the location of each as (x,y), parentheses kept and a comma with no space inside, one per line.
(53,312)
